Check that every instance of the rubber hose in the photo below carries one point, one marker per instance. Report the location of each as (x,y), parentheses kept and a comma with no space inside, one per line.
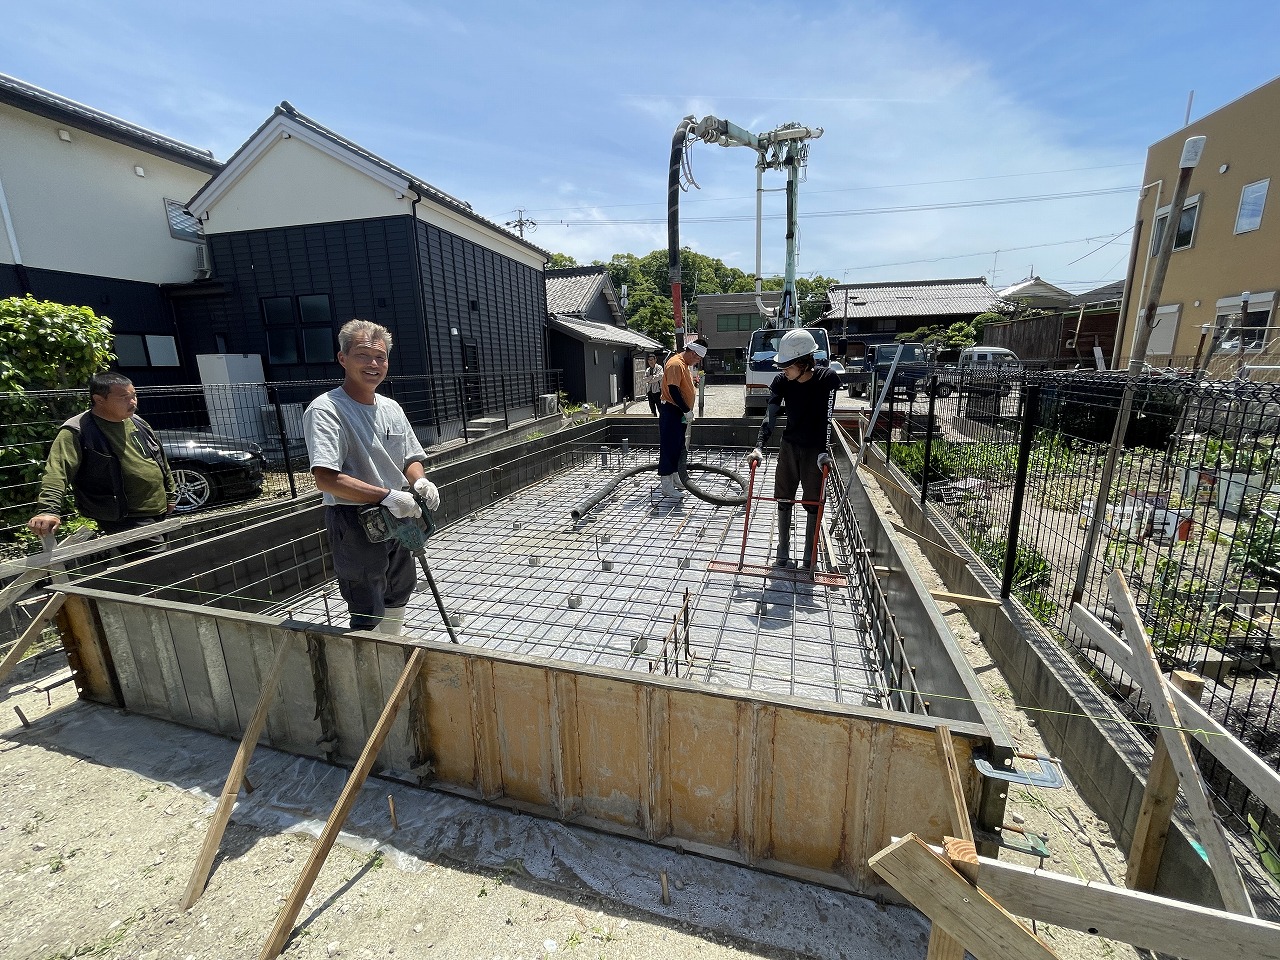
(585,507)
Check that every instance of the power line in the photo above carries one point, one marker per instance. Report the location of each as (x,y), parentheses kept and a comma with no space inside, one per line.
(986,253)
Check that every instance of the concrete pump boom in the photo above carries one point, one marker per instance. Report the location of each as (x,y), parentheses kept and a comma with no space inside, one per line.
(783,148)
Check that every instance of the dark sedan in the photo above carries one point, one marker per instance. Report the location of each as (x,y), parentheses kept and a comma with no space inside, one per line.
(210,469)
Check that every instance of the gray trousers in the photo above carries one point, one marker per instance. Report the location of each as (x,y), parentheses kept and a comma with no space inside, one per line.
(371,576)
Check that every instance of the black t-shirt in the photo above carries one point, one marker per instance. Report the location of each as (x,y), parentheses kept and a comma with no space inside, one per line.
(806,405)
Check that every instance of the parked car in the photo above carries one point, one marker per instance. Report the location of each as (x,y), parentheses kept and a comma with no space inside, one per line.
(208,468)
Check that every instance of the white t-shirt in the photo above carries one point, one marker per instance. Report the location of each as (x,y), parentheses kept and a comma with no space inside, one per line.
(371,442)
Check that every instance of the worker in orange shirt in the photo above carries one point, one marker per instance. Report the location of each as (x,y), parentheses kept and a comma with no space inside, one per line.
(674,410)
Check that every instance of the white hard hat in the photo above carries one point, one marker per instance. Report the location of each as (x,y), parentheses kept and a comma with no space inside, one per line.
(794,345)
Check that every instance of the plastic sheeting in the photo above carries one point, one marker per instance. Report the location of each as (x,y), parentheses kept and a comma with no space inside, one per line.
(294,795)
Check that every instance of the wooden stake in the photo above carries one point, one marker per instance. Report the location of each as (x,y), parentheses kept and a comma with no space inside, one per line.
(963,599)
(942,946)
(231,789)
(1156,814)
(1147,672)
(391,804)
(966,913)
(289,912)
(29,635)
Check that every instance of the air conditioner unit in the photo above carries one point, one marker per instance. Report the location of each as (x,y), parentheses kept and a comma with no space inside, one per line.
(546,404)
(203,270)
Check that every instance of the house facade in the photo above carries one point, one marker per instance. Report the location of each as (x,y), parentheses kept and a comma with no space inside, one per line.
(93,214)
(725,321)
(307,230)
(864,314)
(588,340)
(1227,243)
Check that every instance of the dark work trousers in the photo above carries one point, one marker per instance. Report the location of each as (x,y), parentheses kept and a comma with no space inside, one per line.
(371,576)
(670,438)
(654,399)
(798,467)
(153,544)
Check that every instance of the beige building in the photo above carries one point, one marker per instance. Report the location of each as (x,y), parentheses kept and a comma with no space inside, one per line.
(1227,243)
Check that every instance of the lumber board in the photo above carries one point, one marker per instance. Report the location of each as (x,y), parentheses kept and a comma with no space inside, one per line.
(231,789)
(942,946)
(87,653)
(921,538)
(133,686)
(1155,816)
(288,916)
(159,640)
(1171,927)
(1261,780)
(1212,838)
(83,543)
(964,599)
(189,656)
(969,915)
(217,674)
(34,628)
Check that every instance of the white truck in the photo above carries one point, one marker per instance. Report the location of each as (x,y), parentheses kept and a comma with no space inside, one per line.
(760,369)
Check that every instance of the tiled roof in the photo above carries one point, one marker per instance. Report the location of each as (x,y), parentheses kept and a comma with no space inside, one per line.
(33,99)
(911,298)
(1110,293)
(1035,288)
(589,331)
(572,289)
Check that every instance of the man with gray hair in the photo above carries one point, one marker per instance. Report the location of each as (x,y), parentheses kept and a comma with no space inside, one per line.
(362,451)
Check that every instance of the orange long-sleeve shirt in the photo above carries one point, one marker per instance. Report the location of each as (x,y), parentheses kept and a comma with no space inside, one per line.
(677,384)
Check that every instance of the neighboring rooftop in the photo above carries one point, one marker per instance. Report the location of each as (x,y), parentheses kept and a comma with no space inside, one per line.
(1108,294)
(912,298)
(574,289)
(1036,291)
(589,331)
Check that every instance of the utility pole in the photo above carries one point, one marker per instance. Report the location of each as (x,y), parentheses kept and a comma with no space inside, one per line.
(522,223)
(1191,151)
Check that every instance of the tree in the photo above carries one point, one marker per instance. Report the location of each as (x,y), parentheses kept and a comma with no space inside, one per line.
(48,346)
(560,261)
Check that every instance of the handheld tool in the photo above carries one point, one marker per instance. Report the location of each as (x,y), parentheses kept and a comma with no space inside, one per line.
(381,526)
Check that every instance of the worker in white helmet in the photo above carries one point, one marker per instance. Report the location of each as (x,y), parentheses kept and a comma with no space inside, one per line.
(808,393)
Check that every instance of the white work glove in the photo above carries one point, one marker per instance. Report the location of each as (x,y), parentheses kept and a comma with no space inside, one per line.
(824,460)
(755,456)
(427,492)
(689,417)
(401,504)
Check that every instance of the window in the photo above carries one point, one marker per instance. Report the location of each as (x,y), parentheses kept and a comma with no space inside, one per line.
(182,225)
(139,350)
(316,308)
(318,345)
(282,345)
(309,324)
(277,310)
(1251,332)
(1186,225)
(1252,199)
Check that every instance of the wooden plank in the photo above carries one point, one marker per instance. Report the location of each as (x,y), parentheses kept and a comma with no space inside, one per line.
(964,599)
(283,928)
(657,789)
(189,658)
(484,720)
(1147,672)
(344,696)
(1170,927)
(29,635)
(83,543)
(969,915)
(231,789)
(762,774)
(25,580)
(296,715)
(874,783)
(218,676)
(1155,816)
(86,652)
(398,752)
(1244,763)
(921,538)
(133,684)
(160,637)
(942,946)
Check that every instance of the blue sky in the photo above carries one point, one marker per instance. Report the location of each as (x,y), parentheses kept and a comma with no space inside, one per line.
(567,109)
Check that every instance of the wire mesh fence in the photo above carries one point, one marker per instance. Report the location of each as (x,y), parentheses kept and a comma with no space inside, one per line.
(1188,509)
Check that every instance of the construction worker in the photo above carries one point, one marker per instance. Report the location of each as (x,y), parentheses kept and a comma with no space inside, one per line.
(363,450)
(674,410)
(111,459)
(807,391)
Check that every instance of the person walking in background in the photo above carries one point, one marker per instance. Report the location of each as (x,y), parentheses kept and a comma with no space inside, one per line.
(675,409)
(653,382)
(808,392)
(363,450)
(111,460)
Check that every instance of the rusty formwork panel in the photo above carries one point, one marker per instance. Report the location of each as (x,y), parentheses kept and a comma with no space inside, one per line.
(803,789)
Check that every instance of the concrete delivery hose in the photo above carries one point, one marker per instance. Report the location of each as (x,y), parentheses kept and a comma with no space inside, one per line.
(585,507)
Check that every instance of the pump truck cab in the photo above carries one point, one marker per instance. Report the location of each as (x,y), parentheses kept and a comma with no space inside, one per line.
(761,353)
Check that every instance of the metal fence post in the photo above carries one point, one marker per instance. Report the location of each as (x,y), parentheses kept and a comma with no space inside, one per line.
(506,410)
(930,423)
(462,406)
(274,394)
(1030,421)
(888,436)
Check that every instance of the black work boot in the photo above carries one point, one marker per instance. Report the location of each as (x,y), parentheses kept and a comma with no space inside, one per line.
(783,558)
(810,533)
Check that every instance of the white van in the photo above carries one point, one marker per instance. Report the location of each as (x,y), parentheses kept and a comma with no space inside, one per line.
(987,358)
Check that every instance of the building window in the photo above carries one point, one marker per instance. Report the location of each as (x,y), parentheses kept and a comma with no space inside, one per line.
(1186,225)
(277,310)
(316,308)
(282,345)
(138,350)
(309,324)
(317,344)
(1252,199)
(182,225)
(1251,332)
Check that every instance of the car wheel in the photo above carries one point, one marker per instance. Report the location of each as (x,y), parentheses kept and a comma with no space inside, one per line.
(944,390)
(194,488)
